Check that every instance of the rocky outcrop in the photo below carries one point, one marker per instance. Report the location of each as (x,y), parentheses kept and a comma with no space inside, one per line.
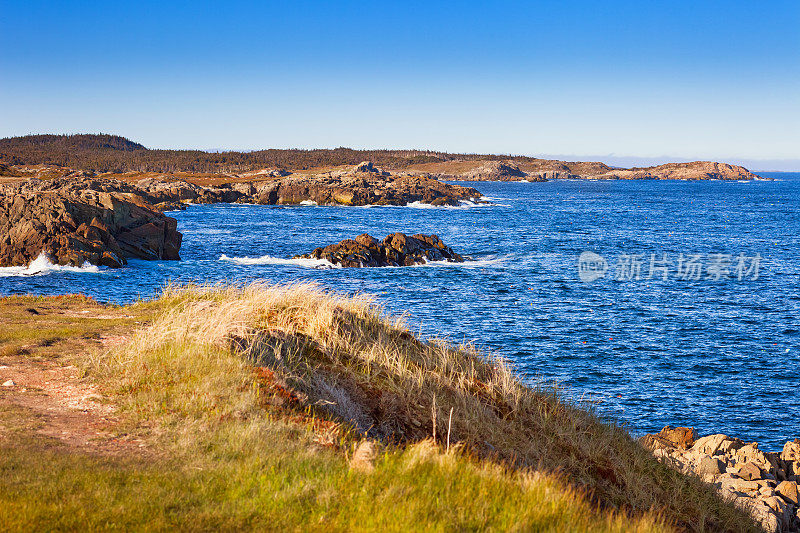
(264,173)
(697,170)
(79,220)
(362,185)
(397,249)
(361,189)
(495,171)
(367,167)
(765,484)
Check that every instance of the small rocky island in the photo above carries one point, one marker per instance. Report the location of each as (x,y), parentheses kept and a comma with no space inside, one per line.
(397,249)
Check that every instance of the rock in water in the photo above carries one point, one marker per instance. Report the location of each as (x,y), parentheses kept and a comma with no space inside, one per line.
(79,220)
(397,249)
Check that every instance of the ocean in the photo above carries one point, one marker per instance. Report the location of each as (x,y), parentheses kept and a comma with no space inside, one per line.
(653,302)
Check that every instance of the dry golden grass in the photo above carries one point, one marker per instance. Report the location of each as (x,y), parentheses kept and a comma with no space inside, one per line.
(343,359)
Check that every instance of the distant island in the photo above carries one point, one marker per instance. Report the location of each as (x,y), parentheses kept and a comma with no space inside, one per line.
(47,156)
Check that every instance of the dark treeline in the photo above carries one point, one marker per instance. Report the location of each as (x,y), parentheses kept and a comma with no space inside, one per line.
(111,153)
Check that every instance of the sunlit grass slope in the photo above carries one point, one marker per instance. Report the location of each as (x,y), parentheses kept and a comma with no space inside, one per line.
(256,403)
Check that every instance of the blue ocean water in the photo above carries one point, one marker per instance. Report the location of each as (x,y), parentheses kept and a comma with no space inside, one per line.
(720,354)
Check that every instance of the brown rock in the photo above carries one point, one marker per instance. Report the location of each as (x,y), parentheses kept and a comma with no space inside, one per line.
(710,466)
(78,220)
(749,471)
(397,249)
(711,444)
(789,491)
(668,437)
(497,171)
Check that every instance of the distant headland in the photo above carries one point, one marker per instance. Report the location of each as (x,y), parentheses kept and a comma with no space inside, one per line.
(114,156)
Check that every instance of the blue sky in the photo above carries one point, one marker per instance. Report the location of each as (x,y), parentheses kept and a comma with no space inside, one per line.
(701,79)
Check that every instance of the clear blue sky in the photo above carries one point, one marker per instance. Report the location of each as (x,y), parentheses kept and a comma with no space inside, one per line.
(710,79)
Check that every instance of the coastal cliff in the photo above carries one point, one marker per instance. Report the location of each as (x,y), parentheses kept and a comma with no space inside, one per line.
(80,220)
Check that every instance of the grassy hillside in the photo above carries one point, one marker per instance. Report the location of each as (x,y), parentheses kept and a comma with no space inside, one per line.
(289,408)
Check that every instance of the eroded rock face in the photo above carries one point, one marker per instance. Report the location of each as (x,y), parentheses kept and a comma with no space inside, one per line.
(765,484)
(79,220)
(397,249)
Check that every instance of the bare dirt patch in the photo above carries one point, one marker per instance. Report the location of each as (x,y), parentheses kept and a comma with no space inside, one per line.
(49,397)
(61,405)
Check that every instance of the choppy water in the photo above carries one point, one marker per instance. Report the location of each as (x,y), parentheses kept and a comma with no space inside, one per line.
(722,355)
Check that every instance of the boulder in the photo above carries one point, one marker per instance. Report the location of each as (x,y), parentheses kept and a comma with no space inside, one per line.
(368,168)
(710,466)
(789,491)
(716,444)
(791,457)
(748,471)
(680,437)
(397,249)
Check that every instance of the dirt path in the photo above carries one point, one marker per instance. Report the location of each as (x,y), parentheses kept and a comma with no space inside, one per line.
(48,397)
(61,405)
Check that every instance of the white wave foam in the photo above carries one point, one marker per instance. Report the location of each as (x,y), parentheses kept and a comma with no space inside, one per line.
(462,204)
(468,263)
(269,260)
(308,202)
(42,266)
(323,263)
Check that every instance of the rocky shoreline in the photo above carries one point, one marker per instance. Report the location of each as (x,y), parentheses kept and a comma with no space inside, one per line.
(362,185)
(80,218)
(764,484)
(397,249)
(545,170)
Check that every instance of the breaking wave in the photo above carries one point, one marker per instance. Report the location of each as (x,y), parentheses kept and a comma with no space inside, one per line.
(42,266)
(269,260)
(462,204)
(323,263)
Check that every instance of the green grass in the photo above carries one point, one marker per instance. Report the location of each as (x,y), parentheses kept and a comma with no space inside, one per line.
(226,449)
(281,484)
